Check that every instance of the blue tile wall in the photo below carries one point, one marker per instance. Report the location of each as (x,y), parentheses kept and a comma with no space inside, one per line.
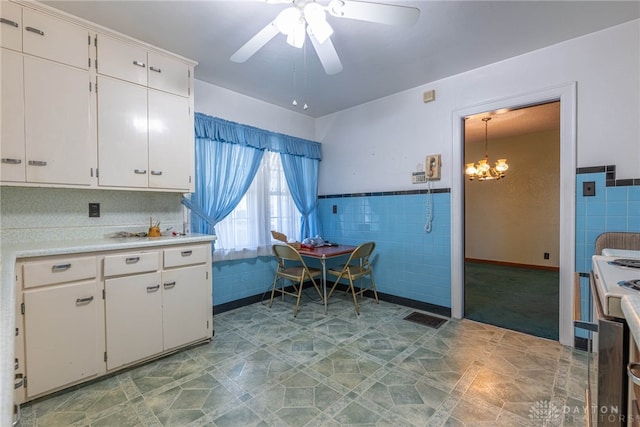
(408,262)
(613,208)
(234,280)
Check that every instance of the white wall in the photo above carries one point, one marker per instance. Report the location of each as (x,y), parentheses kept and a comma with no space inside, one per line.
(376,146)
(219,102)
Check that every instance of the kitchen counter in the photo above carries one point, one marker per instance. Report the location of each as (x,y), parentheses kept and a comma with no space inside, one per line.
(10,252)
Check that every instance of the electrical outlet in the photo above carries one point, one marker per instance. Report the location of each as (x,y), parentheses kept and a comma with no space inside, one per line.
(94,210)
(335,209)
(589,188)
(546,255)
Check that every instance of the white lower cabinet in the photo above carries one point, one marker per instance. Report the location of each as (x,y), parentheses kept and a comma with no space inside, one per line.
(64,335)
(133,309)
(82,316)
(185,307)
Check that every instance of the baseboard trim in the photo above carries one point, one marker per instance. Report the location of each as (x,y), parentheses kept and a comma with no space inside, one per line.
(406,302)
(513,264)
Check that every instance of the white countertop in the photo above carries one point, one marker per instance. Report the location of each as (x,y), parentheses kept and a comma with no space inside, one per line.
(12,251)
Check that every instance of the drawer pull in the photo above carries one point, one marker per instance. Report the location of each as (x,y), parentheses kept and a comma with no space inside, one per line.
(37,163)
(630,368)
(132,260)
(18,382)
(170,285)
(61,267)
(16,365)
(9,22)
(153,288)
(140,171)
(35,31)
(156,172)
(84,300)
(139,64)
(157,70)
(186,253)
(11,161)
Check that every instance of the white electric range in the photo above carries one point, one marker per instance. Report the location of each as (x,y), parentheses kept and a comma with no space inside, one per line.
(608,276)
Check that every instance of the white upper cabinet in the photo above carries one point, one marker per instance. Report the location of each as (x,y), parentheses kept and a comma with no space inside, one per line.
(13,163)
(55,39)
(133,63)
(168,74)
(122,60)
(170,141)
(10,26)
(57,134)
(122,134)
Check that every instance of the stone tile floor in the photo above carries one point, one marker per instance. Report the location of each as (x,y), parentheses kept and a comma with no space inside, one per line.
(265,368)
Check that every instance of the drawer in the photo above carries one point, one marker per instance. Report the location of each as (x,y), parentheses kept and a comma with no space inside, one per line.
(130,263)
(186,255)
(59,270)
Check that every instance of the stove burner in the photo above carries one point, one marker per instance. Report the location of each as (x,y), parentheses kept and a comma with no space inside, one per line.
(633,284)
(633,263)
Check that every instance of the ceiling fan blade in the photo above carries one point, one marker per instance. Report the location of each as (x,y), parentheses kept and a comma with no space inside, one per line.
(255,43)
(327,54)
(381,13)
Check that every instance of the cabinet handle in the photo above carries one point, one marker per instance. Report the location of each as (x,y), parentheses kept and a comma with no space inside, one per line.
(153,288)
(170,285)
(9,22)
(186,253)
(140,171)
(139,64)
(11,161)
(18,381)
(156,172)
(84,300)
(157,70)
(37,163)
(35,30)
(61,267)
(132,260)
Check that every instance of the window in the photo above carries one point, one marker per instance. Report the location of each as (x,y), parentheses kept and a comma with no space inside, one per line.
(267,205)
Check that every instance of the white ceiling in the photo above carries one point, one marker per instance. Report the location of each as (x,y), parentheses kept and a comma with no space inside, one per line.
(449,38)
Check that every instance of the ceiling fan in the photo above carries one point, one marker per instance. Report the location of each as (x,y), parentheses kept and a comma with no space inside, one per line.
(308,17)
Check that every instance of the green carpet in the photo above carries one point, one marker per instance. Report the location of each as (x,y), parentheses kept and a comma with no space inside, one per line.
(520,299)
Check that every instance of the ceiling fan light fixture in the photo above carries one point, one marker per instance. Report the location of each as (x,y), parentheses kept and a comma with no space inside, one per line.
(316,17)
(286,20)
(296,37)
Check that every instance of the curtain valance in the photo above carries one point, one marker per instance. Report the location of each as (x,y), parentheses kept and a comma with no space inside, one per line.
(217,129)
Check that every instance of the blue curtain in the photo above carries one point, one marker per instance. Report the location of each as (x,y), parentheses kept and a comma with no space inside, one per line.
(301,174)
(224,172)
(228,156)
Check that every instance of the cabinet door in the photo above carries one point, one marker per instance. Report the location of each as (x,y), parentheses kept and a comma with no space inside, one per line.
(55,39)
(122,60)
(64,335)
(58,137)
(168,74)
(12,131)
(122,134)
(10,26)
(170,141)
(186,301)
(133,310)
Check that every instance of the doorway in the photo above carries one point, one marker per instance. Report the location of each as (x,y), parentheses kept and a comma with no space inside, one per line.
(512,219)
(567,95)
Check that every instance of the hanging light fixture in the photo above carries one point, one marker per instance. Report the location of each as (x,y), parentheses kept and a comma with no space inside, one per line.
(483,171)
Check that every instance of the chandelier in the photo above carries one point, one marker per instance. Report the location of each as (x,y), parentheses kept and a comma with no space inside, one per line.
(483,171)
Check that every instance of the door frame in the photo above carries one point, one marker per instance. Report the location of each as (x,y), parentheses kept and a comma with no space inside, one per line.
(566,94)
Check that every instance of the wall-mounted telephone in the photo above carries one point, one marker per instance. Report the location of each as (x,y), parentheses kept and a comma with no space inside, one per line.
(432,166)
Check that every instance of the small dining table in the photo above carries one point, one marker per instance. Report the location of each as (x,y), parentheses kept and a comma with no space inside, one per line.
(323,253)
